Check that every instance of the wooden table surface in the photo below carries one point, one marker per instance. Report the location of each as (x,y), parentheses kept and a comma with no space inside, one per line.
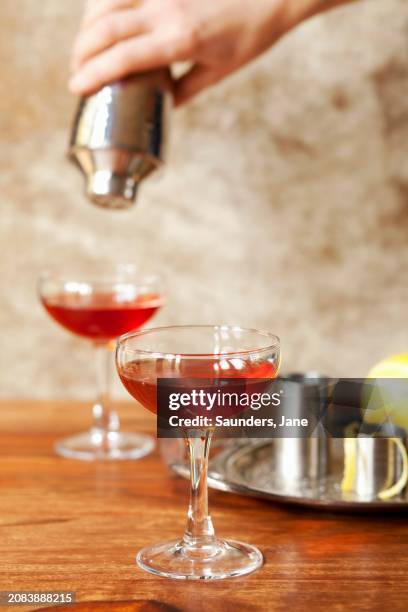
(75,526)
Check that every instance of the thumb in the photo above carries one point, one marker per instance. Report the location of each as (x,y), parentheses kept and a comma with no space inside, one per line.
(195,80)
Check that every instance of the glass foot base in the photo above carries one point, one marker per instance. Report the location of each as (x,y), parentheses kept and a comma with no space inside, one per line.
(224,559)
(95,444)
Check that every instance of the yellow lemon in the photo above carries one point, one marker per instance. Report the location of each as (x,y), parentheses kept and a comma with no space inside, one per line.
(394,403)
(392,367)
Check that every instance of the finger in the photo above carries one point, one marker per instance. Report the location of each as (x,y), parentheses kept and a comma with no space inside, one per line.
(145,52)
(99,8)
(106,32)
(195,80)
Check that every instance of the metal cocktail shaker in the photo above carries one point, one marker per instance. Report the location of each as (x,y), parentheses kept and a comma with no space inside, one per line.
(119,136)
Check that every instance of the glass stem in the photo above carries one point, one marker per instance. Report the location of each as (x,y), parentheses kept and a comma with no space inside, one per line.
(105,420)
(199,531)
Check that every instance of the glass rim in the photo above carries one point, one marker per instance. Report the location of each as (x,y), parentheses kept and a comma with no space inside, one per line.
(134,276)
(120,342)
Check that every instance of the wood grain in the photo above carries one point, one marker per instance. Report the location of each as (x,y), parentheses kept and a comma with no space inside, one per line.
(73,526)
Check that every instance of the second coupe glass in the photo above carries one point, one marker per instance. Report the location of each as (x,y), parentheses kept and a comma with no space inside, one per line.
(100,303)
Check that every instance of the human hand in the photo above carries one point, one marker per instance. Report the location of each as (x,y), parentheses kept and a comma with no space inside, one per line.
(120,37)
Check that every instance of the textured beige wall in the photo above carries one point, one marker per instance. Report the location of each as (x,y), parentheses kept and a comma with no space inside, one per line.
(284,205)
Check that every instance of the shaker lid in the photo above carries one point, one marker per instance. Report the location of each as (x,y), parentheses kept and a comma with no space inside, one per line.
(110,190)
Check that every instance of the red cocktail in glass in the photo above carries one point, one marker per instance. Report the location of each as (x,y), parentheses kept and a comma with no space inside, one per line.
(101,304)
(101,316)
(140,377)
(213,355)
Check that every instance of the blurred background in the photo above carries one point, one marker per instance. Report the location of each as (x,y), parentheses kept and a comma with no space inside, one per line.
(284,204)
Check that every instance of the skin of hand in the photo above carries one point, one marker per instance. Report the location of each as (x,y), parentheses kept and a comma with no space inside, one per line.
(120,37)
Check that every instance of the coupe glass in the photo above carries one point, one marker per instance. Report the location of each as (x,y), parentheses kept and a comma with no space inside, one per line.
(100,303)
(191,352)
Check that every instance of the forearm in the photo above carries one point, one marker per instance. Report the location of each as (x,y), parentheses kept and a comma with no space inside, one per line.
(299,10)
